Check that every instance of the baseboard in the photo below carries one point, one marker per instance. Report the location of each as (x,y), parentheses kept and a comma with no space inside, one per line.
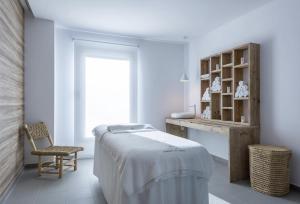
(225,162)
(11,186)
(294,187)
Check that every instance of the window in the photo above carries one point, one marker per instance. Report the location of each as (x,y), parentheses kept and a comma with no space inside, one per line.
(107,92)
(105,89)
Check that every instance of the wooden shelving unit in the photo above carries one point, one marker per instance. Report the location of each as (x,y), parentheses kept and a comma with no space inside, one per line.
(229,66)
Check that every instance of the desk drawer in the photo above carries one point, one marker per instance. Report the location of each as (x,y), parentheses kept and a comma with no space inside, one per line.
(176,130)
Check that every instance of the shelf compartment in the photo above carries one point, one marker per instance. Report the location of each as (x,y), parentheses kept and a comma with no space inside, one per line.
(204,101)
(216,106)
(215,60)
(226,84)
(227,59)
(226,73)
(213,77)
(240,75)
(226,100)
(215,92)
(204,86)
(227,115)
(203,106)
(239,54)
(204,66)
(241,109)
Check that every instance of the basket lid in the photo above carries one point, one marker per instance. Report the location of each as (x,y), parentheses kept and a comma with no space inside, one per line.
(269,148)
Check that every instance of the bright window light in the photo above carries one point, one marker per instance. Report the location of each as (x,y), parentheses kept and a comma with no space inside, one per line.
(107,92)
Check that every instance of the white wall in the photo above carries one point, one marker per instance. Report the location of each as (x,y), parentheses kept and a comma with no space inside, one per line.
(276,28)
(64,88)
(39,75)
(159,89)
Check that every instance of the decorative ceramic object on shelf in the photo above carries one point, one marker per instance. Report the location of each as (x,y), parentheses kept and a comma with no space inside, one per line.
(206,113)
(242,60)
(243,119)
(216,85)
(217,66)
(205,76)
(245,56)
(241,90)
(228,89)
(206,95)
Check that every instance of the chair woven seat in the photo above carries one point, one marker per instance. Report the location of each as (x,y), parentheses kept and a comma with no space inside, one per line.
(57,150)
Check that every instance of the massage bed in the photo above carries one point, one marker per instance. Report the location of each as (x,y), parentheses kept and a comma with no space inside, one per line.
(137,164)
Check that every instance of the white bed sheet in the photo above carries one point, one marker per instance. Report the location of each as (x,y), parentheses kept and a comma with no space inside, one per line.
(181,189)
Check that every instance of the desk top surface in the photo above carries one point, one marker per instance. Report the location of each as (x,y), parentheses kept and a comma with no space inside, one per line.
(208,125)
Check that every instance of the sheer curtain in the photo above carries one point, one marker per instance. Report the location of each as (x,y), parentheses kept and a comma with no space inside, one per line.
(105,88)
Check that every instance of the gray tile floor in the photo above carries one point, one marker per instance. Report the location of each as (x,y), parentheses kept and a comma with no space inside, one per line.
(82,187)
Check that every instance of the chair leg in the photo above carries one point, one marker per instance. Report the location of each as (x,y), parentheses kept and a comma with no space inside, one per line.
(56,162)
(39,165)
(75,162)
(60,167)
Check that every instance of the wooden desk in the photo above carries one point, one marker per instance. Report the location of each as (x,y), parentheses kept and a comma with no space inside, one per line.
(240,136)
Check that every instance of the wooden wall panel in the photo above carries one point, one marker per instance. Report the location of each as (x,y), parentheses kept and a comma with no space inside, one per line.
(11,91)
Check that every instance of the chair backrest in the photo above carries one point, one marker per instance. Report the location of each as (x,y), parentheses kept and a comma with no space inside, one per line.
(37,131)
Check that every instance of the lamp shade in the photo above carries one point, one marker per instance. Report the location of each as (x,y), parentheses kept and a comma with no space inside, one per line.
(184,78)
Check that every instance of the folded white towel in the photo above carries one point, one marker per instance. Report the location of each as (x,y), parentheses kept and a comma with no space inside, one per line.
(122,128)
(204,76)
(130,126)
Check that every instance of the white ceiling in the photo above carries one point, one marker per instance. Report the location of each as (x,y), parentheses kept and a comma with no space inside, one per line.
(150,19)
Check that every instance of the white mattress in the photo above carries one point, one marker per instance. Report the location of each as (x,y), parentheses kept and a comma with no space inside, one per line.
(176,186)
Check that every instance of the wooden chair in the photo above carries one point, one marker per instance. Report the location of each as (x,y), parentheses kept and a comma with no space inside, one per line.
(62,154)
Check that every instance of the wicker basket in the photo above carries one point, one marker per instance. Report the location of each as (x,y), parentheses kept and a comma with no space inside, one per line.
(269,169)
